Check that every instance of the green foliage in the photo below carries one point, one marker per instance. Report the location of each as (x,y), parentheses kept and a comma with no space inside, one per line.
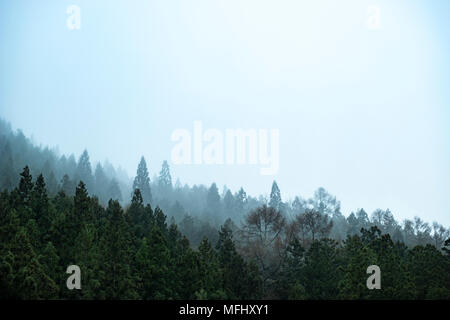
(134,253)
(142,181)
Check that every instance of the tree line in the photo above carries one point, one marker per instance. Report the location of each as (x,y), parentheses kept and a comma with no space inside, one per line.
(148,238)
(135,253)
(198,210)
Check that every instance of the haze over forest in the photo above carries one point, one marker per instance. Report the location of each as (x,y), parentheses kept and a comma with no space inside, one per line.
(198,209)
(171,241)
(201,149)
(361,112)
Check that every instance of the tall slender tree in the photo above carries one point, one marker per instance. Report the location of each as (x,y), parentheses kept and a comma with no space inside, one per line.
(84,171)
(165,179)
(142,182)
(275,197)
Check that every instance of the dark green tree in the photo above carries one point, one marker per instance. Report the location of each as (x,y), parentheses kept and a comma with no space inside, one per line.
(142,182)
(116,256)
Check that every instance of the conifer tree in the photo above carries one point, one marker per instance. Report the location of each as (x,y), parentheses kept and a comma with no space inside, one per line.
(84,171)
(40,205)
(25,186)
(213,200)
(29,280)
(153,261)
(116,256)
(101,181)
(142,182)
(165,179)
(275,197)
(114,190)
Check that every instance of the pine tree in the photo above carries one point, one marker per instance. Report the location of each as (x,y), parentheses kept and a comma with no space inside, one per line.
(153,261)
(82,212)
(213,200)
(7,172)
(52,184)
(114,190)
(40,205)
(142,182)
(29,280)
(76,218)
(50,262)
(288,284)
(138,216)
(320,274)
(356,258)
(160,220)
(165,180)
(240,281)
(84,171)
(209,271)
(25,186)
(228,201)
(187,272)
(275,197)
(67,186)
(100,182)
(241,201)
(87,257)
(116,256)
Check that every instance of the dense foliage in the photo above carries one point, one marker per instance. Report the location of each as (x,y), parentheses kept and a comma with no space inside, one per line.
(149,239)
(135,254)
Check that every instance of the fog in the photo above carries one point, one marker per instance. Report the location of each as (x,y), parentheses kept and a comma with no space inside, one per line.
(362,112)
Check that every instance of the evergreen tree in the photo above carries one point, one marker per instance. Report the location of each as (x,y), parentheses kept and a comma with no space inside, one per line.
(275,197)
(50,261)
(139,217)
(7,176)
(100,182)
(116,256)
(240,280)
(114,190)
(153,261)
(213,200)
(241,201)
(289,284)
(142,182)
(87,257)
(320,275)
(84,171)
(67,185)
(52,184)
(40,205)
(76,218)
(165,180)
(29,280)
(356,258)
(209,271)
(25,187)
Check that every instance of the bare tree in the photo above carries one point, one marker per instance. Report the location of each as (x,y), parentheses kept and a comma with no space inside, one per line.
(440,234)
(264,240)
(422,230)
(317,223)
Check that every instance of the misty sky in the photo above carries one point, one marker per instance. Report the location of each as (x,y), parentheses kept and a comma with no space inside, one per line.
(364,113)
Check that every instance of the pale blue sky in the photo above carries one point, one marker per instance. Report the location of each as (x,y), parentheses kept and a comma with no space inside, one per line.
(363,113)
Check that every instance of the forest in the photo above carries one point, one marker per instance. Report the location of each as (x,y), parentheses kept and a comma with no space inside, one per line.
(143,238)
